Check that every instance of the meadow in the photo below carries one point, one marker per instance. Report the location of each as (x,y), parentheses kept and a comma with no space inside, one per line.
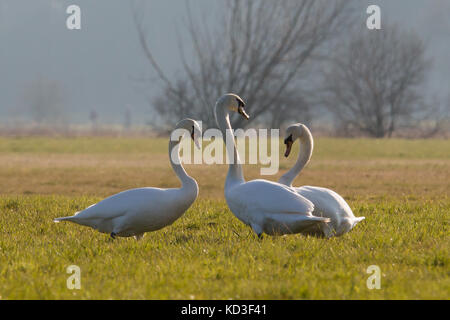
(400,186)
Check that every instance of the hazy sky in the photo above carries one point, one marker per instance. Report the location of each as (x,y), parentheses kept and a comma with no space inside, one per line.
(97,66)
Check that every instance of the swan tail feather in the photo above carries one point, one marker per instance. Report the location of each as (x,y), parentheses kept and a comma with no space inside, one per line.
(358,219)
(57,220)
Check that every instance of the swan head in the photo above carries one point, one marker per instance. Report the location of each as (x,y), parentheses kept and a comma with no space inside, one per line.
(294,132)
(193,128)
(232,102)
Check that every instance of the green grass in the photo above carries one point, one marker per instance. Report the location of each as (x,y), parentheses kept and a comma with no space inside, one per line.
(208,253)
(334,148)
(382,149)
(82,145)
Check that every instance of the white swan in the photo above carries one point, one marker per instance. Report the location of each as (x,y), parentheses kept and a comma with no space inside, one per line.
(136,211)
(266,206)
(327,203)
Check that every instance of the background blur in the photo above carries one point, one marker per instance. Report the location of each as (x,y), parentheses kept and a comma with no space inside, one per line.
(140,66)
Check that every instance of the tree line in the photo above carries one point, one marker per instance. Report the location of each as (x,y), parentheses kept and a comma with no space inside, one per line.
(299,60)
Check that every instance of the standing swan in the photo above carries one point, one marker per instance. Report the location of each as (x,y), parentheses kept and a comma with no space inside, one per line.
(327,203)
(136,211)
(263,205)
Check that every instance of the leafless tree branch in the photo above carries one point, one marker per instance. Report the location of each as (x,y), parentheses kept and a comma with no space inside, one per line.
(257,49)
(375,84)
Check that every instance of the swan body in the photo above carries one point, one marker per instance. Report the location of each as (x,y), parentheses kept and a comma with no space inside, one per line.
(327,203)
(267,207)
(136,211)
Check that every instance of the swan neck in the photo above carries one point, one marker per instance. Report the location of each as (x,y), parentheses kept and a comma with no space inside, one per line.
(174,156)
(304,155)
(235,173)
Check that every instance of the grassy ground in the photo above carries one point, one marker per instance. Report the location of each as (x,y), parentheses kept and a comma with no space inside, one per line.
(400,186)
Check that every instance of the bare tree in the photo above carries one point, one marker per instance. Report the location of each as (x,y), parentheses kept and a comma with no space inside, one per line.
(256,49)
(375,83)
(44,102)
(290,107)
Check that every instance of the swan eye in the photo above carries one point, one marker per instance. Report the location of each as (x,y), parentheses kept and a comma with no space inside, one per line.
(240,103)
(192,133)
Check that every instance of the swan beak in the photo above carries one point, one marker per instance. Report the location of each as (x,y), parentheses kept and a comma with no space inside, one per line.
(242,112)
(288,144)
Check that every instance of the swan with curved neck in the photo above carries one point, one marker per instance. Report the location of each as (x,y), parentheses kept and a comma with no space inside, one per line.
(267,207)
(136,211)
(327,203)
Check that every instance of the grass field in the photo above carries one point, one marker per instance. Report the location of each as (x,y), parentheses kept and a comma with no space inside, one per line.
(400,186)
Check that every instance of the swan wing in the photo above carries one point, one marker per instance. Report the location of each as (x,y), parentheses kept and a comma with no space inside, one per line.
(270,197)
(326,201)
(120,204)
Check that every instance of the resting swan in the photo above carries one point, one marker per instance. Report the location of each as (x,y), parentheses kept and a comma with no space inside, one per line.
(136,211)
(263,205)
(327,203)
